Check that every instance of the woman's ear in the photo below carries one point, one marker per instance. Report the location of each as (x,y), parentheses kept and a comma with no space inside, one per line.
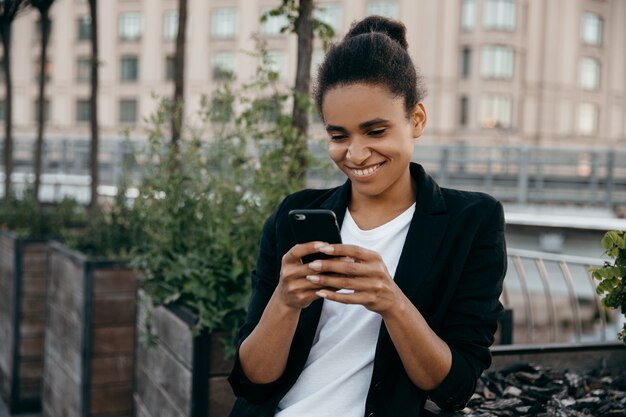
(419,119)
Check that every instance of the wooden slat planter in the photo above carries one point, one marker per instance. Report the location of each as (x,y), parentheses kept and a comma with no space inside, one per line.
(181,375)
(23,274)
(88,350)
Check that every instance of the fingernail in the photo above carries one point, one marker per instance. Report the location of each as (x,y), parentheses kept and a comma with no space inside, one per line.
(321,294)
(320,245)
(348,259)
(326,249)
(316,265)
(313,278)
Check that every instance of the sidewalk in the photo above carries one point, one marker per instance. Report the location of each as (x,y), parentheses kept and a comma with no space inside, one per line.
(4,412)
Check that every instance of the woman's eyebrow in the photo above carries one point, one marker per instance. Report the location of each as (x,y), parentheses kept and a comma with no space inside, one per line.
(362,126)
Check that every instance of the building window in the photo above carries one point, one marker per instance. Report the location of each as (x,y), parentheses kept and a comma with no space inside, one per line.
(383,8)
(170,68)
(496,111)
(170,25)
(591,29)
(589,74)
(316,60)
(84,28)
(466,62)
(223,66)
(129,68)
(46,110)
(83,110)
(273,25)
(83,69)
(499,14)
(268,108)
(277,63)
(47,70)
(468,14)
(497,61)
(329,13)
(224,23)
(221,109)
(463,110)
(587,121)
(131,26)
(128,111)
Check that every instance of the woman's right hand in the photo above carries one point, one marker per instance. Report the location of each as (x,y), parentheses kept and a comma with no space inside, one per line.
(294,290)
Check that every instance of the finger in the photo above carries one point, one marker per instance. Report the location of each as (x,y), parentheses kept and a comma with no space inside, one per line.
(339,266)
(338,282)
(351,251)
(296,253)
(345,298)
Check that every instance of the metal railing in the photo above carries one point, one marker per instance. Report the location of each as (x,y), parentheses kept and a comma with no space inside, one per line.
(553,298)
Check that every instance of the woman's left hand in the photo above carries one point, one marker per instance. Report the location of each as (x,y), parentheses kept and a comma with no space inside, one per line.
(358,269)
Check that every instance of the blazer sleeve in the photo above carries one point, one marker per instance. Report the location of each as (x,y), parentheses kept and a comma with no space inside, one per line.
(264,281)
(471,320)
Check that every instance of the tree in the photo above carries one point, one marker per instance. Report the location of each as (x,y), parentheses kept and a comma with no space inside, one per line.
(9,10)
(43,7)
(93,105)
(179,73)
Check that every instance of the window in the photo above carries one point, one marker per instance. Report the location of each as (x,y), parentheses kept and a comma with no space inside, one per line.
(223,66)
(268,108)
(84,28)
(272,25)
(468,14)
(131,26)
(587,121)
(170,68)
(463,111)
(591,29)
(589,74)
(277,63)
(221,109)
(383,8)
(496,111)
(128,111)
(46,110)
(83,69)
(224,23)
(83,110)
(316,60)
(497,61)
(47,70)
(170,25)
(466,62)
(329,13)
(129,68)
(499,14)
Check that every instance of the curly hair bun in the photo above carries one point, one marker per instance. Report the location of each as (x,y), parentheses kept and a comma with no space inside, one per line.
(392,28)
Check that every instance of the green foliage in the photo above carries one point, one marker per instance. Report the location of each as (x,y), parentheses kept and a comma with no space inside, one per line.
(612,277)
(202,203)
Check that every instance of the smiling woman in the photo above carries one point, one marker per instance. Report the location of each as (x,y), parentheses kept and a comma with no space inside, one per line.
(424,264)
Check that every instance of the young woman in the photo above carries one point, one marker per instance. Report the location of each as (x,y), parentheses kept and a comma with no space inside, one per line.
(408,308)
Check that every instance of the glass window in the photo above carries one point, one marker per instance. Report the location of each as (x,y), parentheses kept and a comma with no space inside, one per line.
(170,68)
(278,63)
(499,14)
(83,110)
(383,8)
(129,68)
(497,61)
(589,74)
(221,109)
(47,70)
(591,29)
(587,121)
(463,111)
(268,108)
(170,25)
(46,110)
(128,111)
(496,111)
(316,60)
(466,62)
(468,14)
(224,23)
(131,26)
(329,13)
(84,28)
(273,25)
(83,69)
(223,66)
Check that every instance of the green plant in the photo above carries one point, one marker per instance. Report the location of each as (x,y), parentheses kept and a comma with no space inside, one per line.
(612,277)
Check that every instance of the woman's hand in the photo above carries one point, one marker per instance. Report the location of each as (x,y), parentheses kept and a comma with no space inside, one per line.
(356,269)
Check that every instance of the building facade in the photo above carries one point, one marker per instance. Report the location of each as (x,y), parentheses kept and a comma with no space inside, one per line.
(540,72)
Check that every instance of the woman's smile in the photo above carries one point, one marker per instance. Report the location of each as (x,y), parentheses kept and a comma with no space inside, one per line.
(366,171)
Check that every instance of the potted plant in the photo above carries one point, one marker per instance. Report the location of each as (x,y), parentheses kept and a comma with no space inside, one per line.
(612,276)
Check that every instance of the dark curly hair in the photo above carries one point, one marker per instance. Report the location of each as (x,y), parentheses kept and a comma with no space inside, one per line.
(374,51)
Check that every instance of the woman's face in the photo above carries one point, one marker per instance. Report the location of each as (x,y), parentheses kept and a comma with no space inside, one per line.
(370,137)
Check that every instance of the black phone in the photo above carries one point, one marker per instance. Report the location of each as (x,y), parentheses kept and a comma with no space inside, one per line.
(314,225)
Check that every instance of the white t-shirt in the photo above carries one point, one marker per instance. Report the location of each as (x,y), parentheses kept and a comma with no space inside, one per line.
(338,371)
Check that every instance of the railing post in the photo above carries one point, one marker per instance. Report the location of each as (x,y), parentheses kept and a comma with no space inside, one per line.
(443,166)
(610,180)
(593,180)
(522,179)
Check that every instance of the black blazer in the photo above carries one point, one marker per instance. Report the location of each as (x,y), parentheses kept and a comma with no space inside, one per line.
(451,267)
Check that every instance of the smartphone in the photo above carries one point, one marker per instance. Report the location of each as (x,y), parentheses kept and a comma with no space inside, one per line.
(314,225)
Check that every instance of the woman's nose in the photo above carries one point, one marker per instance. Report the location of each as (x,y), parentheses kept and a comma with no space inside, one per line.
(357,152)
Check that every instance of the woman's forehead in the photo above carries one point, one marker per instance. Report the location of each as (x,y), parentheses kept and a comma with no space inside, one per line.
(355,103)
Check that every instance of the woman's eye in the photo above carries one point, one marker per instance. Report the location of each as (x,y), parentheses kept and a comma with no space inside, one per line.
(337,138)
(377,132)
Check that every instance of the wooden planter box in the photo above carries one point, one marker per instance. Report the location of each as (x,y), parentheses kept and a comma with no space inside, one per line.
(88,350)
(182,374)
(23,274)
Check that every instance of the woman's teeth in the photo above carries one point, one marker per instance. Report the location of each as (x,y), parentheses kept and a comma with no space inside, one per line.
(364,172)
